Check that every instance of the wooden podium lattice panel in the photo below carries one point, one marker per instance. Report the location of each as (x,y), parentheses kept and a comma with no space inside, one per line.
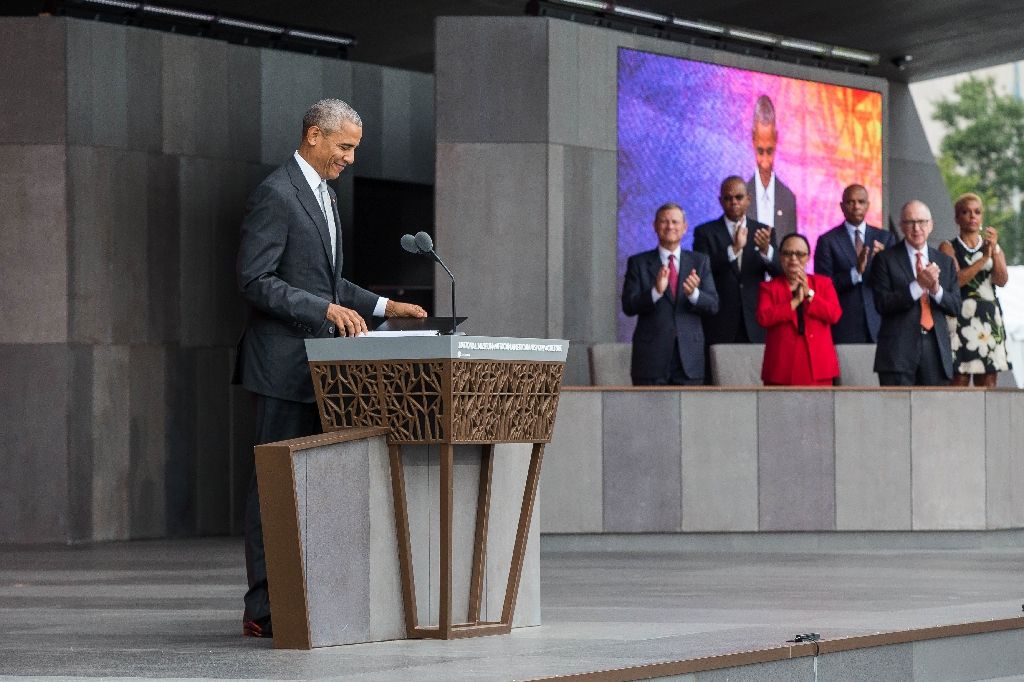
(504,401)
(488,400)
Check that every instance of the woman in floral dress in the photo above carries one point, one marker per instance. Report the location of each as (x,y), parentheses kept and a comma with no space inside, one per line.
(977,335)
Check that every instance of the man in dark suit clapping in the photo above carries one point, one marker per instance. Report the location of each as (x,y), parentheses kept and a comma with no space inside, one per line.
(915,287)
(289,272)
(742,252)
(845,253)
(669,288)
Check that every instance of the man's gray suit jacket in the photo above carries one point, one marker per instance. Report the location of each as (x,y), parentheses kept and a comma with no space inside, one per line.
(285,274)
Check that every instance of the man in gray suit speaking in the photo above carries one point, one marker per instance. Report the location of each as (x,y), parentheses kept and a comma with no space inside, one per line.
(289,271)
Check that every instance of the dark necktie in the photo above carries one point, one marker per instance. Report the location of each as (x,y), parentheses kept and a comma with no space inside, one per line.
(673,275)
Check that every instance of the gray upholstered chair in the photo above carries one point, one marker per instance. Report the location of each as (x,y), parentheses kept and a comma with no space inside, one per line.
(856,364)
(737,364)
(609,364)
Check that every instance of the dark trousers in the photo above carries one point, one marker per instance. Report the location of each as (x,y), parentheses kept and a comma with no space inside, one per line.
(930,371)
(676,375)
(276,419)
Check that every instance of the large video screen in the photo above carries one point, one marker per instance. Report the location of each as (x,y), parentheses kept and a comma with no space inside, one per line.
(684,126)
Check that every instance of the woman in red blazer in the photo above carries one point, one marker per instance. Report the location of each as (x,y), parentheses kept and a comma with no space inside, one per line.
(798,310)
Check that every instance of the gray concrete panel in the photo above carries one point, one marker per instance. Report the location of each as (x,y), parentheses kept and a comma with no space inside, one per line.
(97,93)
(114,82)
(978,657)
(213,195)
(33,242)
(777,671)
(79,442)
(582,84)
(201,115)
(332,492)
(796,461)
(34,402)
(719,465)
(387,611)
(893,662)
(33,85)
(500,228)
(555,248)
(419,463)
(872,460)
(571,479)
(407,135)
(642,482)
(511,464)
(590,290)
(111,437)
(180,477)
(290,84)
(147,441)
(107,225)
(162,312)
(1004,460)
(368,100)
(492,79)
(212,445)
(948,460)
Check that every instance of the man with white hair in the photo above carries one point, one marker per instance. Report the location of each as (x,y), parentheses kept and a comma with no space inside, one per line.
(289,272)
(915,287)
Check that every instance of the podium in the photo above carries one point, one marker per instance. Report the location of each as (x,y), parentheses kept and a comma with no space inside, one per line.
(445,391)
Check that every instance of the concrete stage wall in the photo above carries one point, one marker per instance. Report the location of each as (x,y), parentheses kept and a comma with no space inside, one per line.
(126,157)
(526,170)
(754,460)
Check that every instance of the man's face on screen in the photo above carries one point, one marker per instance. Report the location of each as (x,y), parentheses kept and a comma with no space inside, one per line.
(855,204)
(734,199)
(670,226)
(765,138)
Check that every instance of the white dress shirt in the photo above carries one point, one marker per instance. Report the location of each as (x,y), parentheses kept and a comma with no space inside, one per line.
(664,253)
(765,197)
(915,288)
(314,180)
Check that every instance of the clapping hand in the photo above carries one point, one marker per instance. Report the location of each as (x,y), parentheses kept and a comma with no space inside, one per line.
(691,283)
(661,281)
(928,278)
(763,239)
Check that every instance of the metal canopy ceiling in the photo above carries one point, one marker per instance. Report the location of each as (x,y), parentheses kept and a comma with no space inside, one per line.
(943,36)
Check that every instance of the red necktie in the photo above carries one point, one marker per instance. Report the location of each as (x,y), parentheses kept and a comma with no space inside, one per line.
(926,305)
(673,275)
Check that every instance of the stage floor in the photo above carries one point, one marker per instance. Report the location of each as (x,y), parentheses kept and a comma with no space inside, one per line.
(172,609)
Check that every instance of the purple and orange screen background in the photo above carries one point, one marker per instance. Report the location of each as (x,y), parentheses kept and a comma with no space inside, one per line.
(684,126)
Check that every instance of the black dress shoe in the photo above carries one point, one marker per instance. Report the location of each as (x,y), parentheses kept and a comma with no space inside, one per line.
(259,627)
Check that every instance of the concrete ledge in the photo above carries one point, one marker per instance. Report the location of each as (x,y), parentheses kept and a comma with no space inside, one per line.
(810,459)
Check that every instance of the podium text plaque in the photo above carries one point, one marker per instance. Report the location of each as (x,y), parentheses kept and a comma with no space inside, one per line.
(446,391)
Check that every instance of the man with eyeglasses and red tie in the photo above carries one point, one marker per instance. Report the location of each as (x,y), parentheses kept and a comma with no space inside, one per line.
(742,253)
(915,287)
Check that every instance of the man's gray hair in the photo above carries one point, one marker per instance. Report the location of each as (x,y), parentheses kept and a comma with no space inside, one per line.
(328,115)
(669,206)
(764,112)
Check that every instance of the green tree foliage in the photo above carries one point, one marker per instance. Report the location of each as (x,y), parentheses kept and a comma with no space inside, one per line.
(983,152)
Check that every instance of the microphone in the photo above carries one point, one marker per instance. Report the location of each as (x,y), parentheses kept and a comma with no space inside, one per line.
(409,244)
(424,245)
